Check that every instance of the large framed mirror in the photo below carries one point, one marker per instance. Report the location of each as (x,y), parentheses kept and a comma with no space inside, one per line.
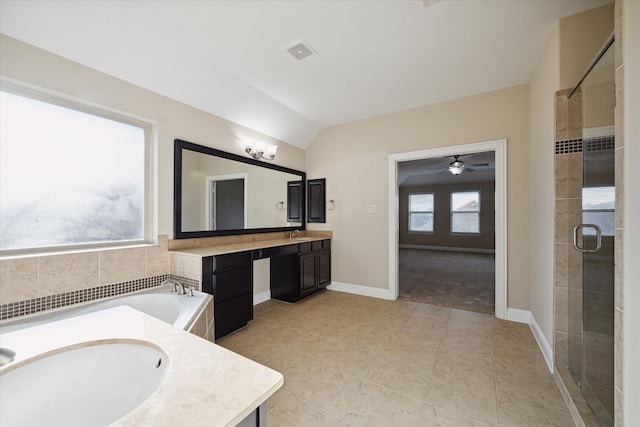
(216,193)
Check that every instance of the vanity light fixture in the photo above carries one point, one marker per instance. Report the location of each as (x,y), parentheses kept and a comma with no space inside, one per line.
(260,150)
(456,167)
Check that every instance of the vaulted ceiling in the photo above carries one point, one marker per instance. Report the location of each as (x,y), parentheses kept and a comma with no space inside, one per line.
(230,58)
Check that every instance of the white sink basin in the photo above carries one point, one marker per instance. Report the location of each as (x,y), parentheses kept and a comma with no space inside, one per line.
(92,385)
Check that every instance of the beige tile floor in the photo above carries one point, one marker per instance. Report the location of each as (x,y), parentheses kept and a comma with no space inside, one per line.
(350,360)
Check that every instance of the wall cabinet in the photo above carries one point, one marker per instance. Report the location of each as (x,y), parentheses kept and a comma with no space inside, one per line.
(229,278)
(316,200)
(295,201)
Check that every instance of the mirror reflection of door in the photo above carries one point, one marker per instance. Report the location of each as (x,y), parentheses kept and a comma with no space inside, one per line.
(226,202)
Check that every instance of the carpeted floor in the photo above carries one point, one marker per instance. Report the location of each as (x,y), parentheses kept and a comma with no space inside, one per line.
(451,279)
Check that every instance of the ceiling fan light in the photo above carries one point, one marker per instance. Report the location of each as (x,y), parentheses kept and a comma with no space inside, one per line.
(456,167)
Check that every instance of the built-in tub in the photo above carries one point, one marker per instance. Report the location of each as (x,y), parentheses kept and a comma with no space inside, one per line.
(159,302)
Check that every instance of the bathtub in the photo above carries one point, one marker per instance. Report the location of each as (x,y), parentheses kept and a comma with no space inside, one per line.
(159,302)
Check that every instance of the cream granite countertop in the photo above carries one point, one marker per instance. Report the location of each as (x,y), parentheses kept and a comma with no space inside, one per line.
(207,384)
(229,248)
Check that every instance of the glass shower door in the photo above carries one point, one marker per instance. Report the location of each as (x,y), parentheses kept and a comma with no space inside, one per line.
(591,281)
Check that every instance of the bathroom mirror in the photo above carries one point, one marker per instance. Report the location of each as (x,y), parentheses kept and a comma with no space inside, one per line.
(219,194)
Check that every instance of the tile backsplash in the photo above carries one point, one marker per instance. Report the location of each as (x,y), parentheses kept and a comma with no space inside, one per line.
(51,281)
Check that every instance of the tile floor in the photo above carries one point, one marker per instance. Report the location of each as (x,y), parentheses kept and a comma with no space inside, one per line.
(350,360)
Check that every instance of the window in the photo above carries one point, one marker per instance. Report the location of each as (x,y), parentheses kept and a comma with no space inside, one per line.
(421,213)
(71,176)
(465,212)
(598,207)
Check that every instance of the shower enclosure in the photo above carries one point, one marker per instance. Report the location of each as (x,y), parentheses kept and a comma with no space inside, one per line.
(591,254)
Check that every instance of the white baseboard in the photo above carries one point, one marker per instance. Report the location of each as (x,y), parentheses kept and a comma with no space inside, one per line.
(261,297)
(449,249)
(545,347)
(525,316)
(517,315)
(366,291)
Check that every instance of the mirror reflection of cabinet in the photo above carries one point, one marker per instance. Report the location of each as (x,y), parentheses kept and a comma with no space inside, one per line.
(295,198)
(316,200)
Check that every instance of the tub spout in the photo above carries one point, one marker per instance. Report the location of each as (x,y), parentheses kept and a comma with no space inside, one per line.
(174,285)
(181,290)
(6,356)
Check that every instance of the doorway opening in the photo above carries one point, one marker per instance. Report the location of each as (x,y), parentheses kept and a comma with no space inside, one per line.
(447,231)
(417,215)
(226,201)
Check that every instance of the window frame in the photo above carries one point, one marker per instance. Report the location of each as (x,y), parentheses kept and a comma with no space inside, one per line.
(150,232)
(432,212)
(478,213)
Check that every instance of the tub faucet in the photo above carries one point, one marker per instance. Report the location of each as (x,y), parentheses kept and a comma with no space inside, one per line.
(6,356)
(181,290)
(173,283)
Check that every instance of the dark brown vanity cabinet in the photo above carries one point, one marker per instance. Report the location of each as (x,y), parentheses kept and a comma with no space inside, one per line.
(229,278)
(297,276)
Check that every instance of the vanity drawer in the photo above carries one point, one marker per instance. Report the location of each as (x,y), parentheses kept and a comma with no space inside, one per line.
(235,260)
(275,251)
(232,283)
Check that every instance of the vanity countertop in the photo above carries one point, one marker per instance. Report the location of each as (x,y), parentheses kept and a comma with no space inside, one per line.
(229,248)
(207,384)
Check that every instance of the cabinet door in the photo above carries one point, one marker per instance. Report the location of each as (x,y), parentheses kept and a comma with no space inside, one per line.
(324,268)
(295,201)
(233,314)
(316,200)
(308,282)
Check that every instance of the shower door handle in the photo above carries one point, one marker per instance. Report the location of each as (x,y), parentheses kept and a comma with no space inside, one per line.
(598,238)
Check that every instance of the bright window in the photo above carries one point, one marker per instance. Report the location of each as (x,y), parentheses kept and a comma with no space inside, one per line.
(71,176)
(598,207)
(421,213)
(465,212)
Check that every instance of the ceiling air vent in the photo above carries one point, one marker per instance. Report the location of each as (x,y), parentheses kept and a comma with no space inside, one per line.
(300,50)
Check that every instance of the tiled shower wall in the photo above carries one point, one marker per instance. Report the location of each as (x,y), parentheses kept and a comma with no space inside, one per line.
(568,178)
(32,284)
(567,264)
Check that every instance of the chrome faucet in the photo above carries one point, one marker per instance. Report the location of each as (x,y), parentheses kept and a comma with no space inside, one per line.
(178,287)
(293,233)
(175,285)
(6,356)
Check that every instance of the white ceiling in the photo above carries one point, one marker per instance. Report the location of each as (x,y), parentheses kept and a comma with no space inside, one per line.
(229,57)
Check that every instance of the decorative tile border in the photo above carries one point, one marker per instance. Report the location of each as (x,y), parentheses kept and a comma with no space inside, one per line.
(195,284)
(568,146)
(599,143)
(35,305)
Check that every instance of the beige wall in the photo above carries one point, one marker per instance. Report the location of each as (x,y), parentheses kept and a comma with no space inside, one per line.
(545,83)
(354,159)
(598,98)
(19,278)
(442,235)
(578,34)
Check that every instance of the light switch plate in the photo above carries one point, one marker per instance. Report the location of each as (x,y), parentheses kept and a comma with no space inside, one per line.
(372,208)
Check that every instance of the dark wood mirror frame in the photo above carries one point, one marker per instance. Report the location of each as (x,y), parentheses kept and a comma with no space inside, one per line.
(178,233)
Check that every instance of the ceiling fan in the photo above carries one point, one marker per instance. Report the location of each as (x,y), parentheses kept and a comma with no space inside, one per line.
(457,166)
